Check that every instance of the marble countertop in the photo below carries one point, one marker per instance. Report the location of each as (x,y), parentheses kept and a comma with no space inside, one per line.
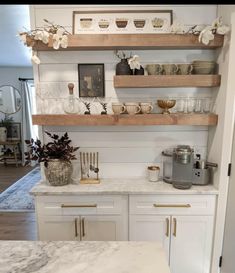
(120,186)
(82,257)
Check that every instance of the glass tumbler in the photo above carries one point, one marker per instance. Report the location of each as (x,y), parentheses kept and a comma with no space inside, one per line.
(198,106)
(190,105)
(207,105)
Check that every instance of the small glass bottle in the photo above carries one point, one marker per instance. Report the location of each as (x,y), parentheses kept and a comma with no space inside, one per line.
(71,103)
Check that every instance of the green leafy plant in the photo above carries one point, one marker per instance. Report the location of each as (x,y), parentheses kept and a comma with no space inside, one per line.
(6,121)
(59,148)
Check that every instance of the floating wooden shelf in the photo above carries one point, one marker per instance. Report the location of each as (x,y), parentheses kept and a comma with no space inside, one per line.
(152,81)
(125,119)
(130,41)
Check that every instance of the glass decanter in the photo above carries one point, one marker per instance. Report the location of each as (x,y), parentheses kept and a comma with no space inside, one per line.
(71,102)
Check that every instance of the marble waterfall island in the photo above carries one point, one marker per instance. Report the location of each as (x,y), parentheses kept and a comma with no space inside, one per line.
(82,257)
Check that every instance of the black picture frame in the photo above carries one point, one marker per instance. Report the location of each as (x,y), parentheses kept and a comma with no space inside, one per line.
(14,131)
(91,80)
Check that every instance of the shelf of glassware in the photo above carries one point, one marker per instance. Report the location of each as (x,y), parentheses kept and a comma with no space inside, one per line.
(130,41)
(152,81)
(125,119)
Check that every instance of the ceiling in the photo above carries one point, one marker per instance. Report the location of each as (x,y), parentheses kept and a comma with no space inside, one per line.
(13,52)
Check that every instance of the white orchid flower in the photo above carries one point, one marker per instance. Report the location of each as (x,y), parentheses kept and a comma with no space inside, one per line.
(217,22)
(45,37)
(38,35)
(223,29)
(35,59)
(206,35)
(134,62)
(60,39)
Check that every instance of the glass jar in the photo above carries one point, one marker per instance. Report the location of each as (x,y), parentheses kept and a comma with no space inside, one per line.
(71,102)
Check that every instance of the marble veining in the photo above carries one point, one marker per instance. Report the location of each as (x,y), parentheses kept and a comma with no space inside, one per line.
(120,186)
(82,257)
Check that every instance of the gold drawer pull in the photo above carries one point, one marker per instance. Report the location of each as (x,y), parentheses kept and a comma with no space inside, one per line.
(175,225)
(76,227)
(172,205)
(167,227)
(79,206)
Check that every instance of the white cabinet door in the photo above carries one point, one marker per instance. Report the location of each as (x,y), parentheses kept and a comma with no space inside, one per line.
(191,244)
(87,228)
(103,228)
(150,228)
(64,228)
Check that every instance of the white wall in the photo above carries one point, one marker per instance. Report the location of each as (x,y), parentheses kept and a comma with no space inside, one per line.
(124,151)
(9,76)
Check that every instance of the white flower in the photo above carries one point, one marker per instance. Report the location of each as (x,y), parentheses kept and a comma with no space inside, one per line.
(222,29)
(60,39)
(134,62)
(35,59)
(38,35)
(45,37)
(206,35)
(23,37)
(217,22)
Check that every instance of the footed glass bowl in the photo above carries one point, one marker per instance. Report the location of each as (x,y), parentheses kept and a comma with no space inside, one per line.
(166,105)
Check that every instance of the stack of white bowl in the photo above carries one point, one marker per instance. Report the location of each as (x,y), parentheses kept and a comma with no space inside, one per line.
(203,67)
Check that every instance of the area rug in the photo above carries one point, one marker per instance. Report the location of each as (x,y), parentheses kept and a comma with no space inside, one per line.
(17,197)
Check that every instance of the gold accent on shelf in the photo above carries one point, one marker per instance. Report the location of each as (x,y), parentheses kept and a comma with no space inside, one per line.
(172,205)
(167,227)
(79,206)
(175,226)
(75,227)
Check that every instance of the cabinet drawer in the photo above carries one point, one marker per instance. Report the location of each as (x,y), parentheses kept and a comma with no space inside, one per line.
(172,204)
(79,205)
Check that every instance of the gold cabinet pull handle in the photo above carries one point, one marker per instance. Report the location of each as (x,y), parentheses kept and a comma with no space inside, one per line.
(83,227)
(80,224)
(172,205)
(76,227)
(175,226)
(167,227)
(79,206)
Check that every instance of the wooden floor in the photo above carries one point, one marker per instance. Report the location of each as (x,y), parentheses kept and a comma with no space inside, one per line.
(15,225)
(9,174)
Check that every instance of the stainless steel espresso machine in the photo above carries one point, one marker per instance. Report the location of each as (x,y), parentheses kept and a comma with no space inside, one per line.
(182,168)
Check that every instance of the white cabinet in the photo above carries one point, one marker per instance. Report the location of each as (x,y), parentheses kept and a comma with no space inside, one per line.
(191,244)
(182,223)
(151,228)
(90,218)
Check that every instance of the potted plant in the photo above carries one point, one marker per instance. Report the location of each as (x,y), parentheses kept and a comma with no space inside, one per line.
(56,155)
(4,127)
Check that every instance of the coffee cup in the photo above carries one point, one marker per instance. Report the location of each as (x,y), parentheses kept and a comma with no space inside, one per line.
(154,69)
(153,173)
(146,107)
(132,108)
(118,108)
(170,69)
(185,69)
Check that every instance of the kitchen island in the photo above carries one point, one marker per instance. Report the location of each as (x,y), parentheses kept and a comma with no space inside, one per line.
(83,257)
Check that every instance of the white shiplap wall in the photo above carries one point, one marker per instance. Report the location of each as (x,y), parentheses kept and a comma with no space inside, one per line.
(124,151)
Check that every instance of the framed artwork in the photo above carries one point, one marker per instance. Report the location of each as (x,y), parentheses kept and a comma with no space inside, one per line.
(14,131)
(91,80)
(122,21)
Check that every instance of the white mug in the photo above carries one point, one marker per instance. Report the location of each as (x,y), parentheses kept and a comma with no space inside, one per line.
(146,107)
(118,108)
(153,173)
(132,108)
